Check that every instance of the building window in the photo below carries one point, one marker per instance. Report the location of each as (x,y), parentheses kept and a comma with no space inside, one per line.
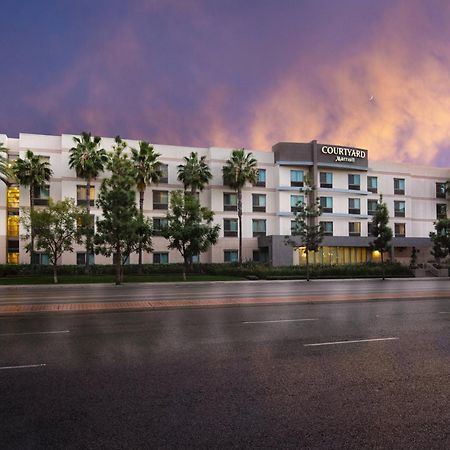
(369,228)
(259,227)
(399,229)
(159,225)
(41,194)
(354,182)
(81,259)
(372,207)
(13,245)
(161,258)
(164,173)
(354,228)
(160,199)
(372,184)
(259,202)
(260,256)
(354,206)
(261,180)
(81,195)
(81,222)
(327,228)
(13,224)
(399,186)
(39,259)
(13,257)
(296,201)
(230,256)
(399,208)
(441,189)
(297,178)
(230,227)
(229,201)
(13,197)
(326,204)
(326,180)
(441,210)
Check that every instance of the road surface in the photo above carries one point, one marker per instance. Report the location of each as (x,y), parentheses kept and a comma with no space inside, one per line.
(324,376)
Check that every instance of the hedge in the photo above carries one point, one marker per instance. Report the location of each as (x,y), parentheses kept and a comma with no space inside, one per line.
(247,270)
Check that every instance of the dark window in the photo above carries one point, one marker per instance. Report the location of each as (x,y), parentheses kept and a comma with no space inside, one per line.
(159,225)
(160,199)
(296,200)
(13,245)
(230,227)
(399,229)
(326,204)
(293,226)
(81,259)
(81,195)
(354,182)
(354,228)
(230,256)
(229,201)
(399,208)
(164,173)
(326,180)
(81,223)
(40,259)
(261,180)
(327,228)
(259,227)
(354,206)
(371,207)
(369,228)
(441,210)
(41,194)
(372,184)
(260,256)
(161,258)
(259,202)
(399,186)
(297,178)
(441,190)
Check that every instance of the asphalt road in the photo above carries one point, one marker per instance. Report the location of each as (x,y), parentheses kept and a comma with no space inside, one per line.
(237,377)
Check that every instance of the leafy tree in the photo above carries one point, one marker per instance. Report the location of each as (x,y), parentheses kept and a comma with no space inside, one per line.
(239,170)
(122,229)
(190,228)
(5,170)
(194,173)
(89,160)
(441,239)
(381,231)
(305,223)
(147,170)
(55,229)
(32,172)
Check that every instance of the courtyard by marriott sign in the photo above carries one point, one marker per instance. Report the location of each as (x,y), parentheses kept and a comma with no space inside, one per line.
(343,154)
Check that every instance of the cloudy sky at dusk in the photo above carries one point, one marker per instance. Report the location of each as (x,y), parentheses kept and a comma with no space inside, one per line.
(367,73)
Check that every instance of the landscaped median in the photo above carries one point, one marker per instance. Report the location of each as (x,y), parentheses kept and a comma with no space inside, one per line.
(27,274)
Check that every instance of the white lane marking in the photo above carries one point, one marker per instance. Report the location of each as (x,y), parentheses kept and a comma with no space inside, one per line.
(281,320)
(35,332)
(351,342)
(29,366)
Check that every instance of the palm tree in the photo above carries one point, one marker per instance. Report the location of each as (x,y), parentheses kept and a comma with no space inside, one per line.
(240,169)
(88,160)
(194,173)
(5,170)
(32,172)
(147,169)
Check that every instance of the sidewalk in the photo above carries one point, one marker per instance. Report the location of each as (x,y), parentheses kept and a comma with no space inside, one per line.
(199,303)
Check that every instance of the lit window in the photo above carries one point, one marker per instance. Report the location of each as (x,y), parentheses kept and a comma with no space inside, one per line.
(399,229)
(354,228)
(81,195)
(160,199)
(13,197)
(13,224)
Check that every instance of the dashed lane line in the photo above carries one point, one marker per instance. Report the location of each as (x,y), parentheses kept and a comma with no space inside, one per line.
(357,341)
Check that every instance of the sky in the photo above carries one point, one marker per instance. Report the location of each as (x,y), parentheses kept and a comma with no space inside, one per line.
(373,74)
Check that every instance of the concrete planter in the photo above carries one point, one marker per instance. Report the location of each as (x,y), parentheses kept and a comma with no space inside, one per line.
(419,273)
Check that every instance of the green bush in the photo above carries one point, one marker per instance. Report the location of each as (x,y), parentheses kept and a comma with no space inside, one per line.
(250,269)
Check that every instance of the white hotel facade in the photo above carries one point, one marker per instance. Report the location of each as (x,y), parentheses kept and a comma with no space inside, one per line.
(348,185)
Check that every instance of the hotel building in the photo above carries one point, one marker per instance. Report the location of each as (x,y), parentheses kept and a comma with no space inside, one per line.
(348,186)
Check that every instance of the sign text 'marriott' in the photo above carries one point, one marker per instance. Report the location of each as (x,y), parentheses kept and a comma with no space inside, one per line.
(344,154)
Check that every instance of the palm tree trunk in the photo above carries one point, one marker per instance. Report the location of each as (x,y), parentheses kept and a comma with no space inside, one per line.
(307,265)
(32,228)
(239,207)
(141,210)
(88,229)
